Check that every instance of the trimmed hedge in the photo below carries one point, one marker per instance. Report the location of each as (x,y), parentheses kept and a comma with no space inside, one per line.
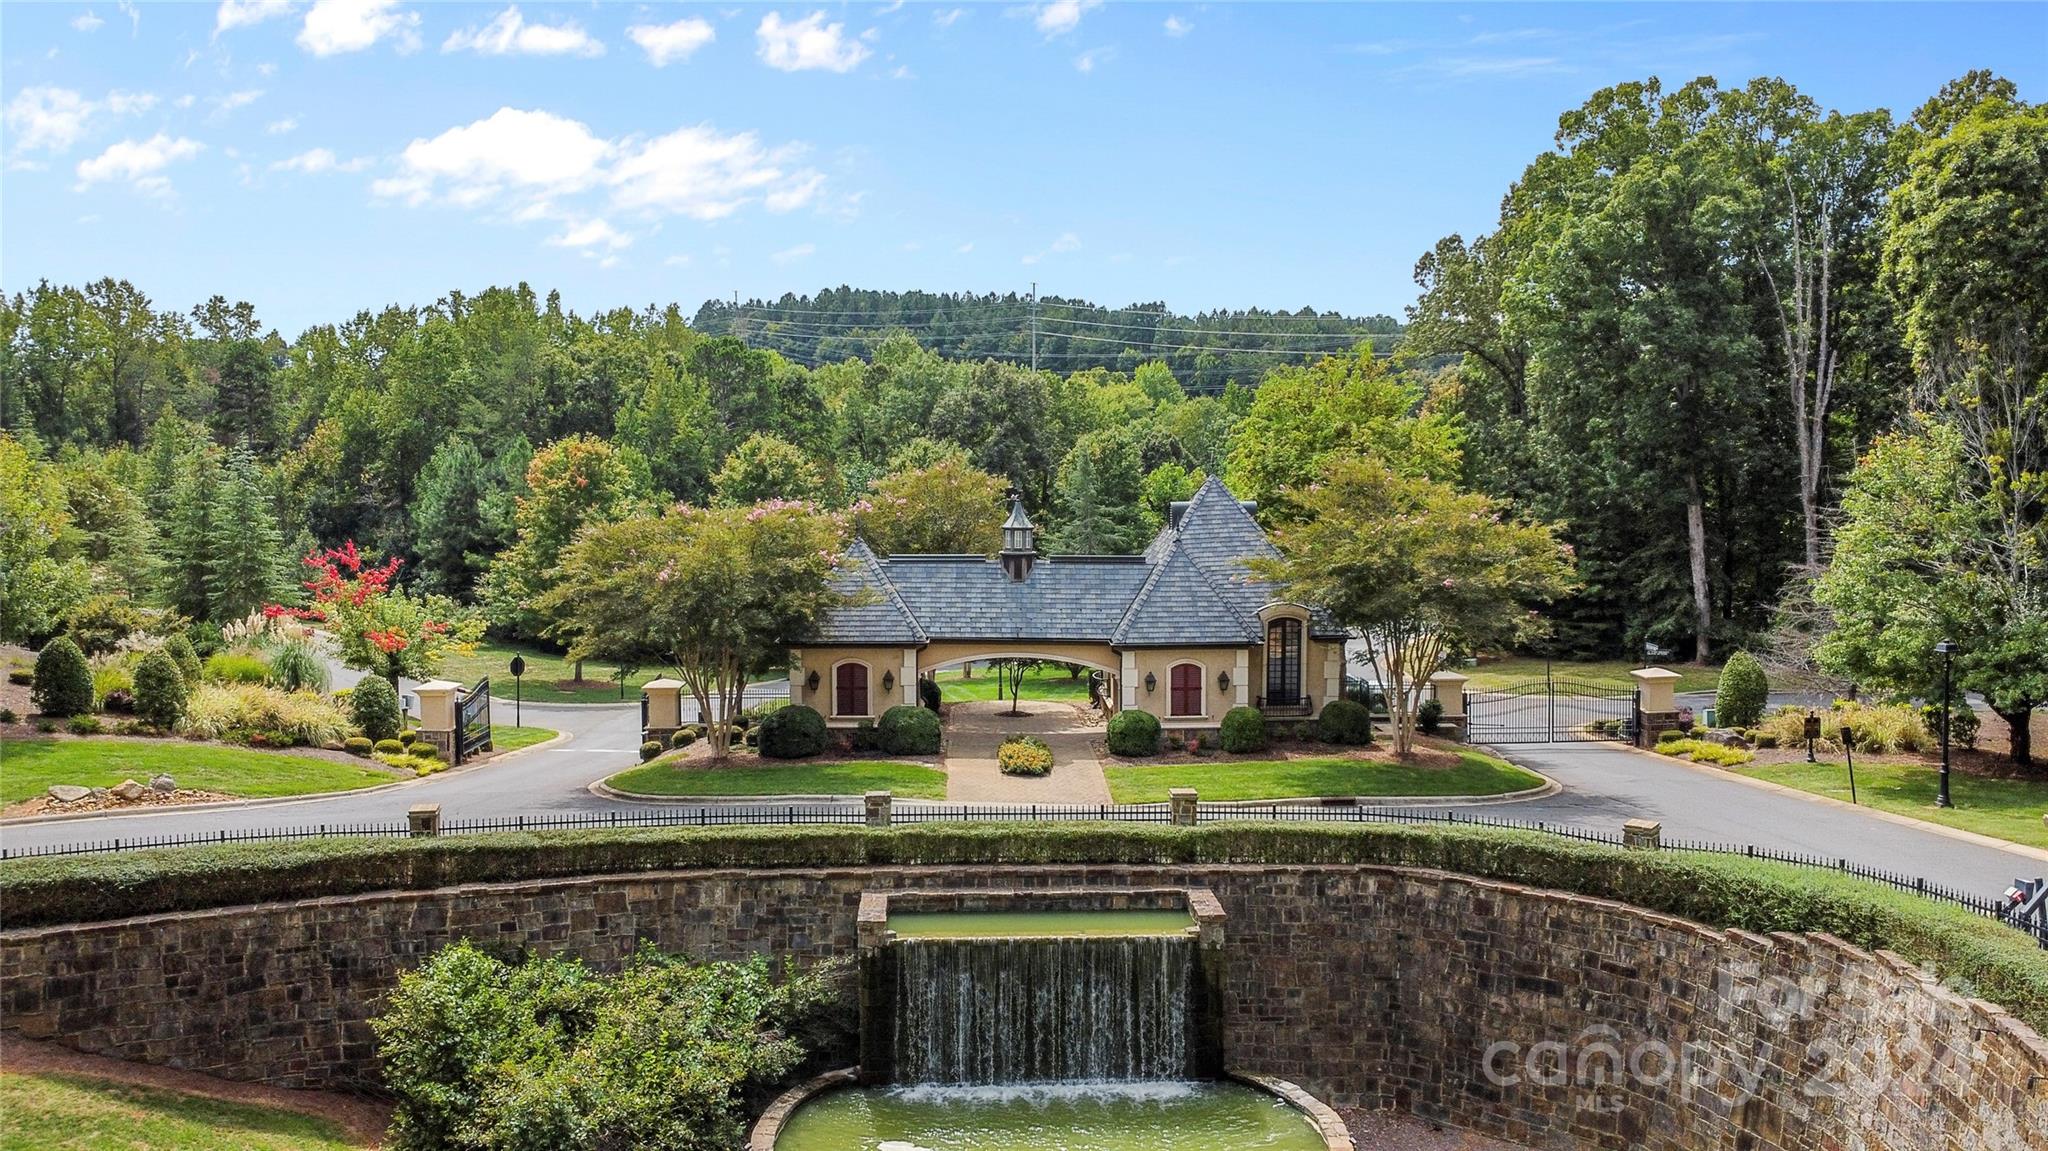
(1243,730)
(160,692)
(796,732)
(1133,733)
(909,730)
(1966,950)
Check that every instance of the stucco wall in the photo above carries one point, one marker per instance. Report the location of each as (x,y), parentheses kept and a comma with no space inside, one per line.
(900,661)
(1159,661)
(1378,986)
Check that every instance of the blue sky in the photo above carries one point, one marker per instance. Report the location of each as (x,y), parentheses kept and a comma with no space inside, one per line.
(319,158)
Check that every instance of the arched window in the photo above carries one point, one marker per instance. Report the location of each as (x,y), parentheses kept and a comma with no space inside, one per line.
(1283,663)
(1186,697)
(850,689)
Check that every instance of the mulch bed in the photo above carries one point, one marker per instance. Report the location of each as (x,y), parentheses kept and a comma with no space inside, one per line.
(364,1120)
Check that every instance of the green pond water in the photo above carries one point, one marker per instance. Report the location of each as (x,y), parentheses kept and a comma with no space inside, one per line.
(1075,1117)
(1035,924)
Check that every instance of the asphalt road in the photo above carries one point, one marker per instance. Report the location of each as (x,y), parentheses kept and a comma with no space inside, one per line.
(1604,785)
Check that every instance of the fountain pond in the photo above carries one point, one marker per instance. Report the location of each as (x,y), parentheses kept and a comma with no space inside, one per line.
(1086,1020)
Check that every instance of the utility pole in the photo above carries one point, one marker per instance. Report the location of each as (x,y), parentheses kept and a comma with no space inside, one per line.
(1034,325)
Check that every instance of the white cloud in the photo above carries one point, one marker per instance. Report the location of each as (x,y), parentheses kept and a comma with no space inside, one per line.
(1062,16)
(902,72)
(529,151)
(591,234)
(1175,26)
(664,43)
(948,17)
(1087,61)
(964,248)
(1066,242)
(282,127)
(241,13)
(134,15)
(698,173)
(809,43)
(534,164)
(234,100)
(122,103)
(141,163)
(316,160)
(87,22)
(676,262)
(52,119)
(333,27)
(793,196)
(791,255)
(508,34)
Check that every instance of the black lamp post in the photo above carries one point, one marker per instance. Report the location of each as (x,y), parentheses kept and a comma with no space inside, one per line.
(1946,651)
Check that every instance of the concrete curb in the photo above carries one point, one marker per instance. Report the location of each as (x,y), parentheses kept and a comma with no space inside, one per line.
(280,800)
(1955,833)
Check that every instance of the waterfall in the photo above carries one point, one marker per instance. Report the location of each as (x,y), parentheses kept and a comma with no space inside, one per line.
(1044,1010)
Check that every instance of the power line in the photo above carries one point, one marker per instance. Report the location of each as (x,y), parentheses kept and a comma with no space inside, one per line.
(1352,336)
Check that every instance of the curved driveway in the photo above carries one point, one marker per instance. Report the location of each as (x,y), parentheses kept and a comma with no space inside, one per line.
(1604,785)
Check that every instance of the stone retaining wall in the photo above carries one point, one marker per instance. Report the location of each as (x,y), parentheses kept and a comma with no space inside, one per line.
(1544,1018)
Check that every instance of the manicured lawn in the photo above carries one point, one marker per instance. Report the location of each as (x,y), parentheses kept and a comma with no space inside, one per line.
(2008,809)
(505,737)
(1475,774)
(546,672)
(1493,674)
(29,766)
(72,1113)
(851,777)
(1047,682)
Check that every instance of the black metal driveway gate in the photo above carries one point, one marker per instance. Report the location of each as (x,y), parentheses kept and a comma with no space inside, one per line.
(473,720)
(1549,710)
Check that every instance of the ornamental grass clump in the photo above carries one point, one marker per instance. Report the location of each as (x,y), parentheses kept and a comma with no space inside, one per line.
(1024,755)
(253,713)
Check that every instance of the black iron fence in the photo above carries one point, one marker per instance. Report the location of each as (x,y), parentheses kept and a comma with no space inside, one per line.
(853,815)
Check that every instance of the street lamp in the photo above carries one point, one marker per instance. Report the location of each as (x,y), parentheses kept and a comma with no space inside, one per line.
(1946,651)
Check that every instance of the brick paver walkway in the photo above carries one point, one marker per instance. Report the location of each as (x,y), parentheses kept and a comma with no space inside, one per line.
(974,730)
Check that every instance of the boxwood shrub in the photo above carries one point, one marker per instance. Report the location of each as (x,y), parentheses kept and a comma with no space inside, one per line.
(1743,691)
(1965,950)
(63,683)
(795,732)
(1244,730)
(1345,721)
(373,705)
(909,730)
(1133,733)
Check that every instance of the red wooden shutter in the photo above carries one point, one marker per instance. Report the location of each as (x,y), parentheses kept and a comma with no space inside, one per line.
(1187,689)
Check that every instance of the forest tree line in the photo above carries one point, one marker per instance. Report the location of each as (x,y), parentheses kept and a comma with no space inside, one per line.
(1697,313)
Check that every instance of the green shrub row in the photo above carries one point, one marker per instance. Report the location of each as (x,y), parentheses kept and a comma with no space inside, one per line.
(1967,951)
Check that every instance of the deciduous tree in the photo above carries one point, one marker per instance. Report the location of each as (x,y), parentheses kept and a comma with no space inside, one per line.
(1418,568)
(716,594)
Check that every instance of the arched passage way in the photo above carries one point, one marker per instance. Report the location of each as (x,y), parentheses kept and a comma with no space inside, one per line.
(1091,694)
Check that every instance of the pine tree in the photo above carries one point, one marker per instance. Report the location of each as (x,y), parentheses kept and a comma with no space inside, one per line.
(1101,490)
(245,560)
(188,534)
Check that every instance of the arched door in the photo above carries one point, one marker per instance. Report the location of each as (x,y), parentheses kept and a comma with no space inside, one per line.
(1283,663)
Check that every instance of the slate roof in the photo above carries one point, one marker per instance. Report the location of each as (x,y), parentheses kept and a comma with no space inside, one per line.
(1190,587)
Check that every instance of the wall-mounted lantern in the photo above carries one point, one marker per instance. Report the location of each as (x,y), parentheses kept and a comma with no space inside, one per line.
(1222,681)
(888,681)
(811,680)
(1151,683)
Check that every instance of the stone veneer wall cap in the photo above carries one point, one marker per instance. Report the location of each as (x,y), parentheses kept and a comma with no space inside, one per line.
(1843,946)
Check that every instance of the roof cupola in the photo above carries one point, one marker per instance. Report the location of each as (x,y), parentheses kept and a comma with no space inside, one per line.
(1020,539)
